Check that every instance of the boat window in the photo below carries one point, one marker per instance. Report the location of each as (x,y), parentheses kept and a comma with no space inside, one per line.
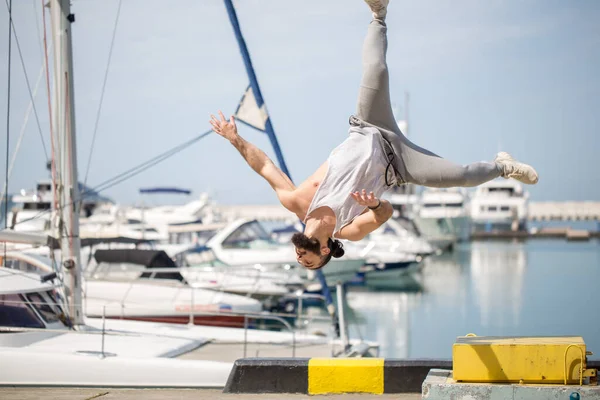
(36,206)
(249,235)
(149,230)
(447,205)
(38,302)
(204,236)
(443,225)
(133,221)
(55,301)
(388,229)
(508,191)
(44,187)
(492,208)
(21,265)
(504,208)
(14,312)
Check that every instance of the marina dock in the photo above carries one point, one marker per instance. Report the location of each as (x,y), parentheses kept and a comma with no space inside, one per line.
(564,211)
(472,292)
(278,378)
(544,233)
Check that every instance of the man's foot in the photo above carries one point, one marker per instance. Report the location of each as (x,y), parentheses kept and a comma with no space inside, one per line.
(378,7)
(510,168)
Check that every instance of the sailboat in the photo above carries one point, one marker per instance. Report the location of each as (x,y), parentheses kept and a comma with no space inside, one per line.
(41,348)
(56,349)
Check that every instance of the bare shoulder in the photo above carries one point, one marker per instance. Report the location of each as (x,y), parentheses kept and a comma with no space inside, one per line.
(291,201)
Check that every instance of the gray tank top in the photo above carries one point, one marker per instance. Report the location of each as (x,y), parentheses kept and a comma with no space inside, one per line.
(360,162)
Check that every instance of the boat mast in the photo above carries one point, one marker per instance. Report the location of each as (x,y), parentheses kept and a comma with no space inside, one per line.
(66,155)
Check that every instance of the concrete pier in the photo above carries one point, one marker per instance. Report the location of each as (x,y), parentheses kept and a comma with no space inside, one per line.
(439,385)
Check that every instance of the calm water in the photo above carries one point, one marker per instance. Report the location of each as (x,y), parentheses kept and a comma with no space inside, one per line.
(542,287)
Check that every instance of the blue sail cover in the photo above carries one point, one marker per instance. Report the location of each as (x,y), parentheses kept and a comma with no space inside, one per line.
(167,190)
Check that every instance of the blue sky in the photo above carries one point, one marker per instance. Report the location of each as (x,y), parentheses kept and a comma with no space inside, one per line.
(482,76)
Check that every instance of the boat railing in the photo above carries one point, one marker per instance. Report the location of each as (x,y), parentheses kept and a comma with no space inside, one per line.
(218,289)
(300,319)
(244,271)
(247,317)
(135,276)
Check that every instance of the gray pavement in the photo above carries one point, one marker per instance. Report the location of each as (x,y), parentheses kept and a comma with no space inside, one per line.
(8,393)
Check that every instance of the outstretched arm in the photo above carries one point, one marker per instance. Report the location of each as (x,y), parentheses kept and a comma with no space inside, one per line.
(257,160)
(379,211)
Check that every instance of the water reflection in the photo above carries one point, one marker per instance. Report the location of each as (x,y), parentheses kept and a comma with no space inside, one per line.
(476,288)
(392,307)
(444,276)
(489,288)
(497,272)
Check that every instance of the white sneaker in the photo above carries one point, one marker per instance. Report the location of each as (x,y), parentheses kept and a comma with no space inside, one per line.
(516,170)
(378,7)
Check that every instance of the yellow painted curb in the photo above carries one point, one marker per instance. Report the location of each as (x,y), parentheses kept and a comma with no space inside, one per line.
(530,360)
(350,375)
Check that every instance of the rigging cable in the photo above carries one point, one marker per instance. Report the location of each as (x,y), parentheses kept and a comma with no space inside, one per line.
(130,172)
(37,26)
(147,164)
(13,159)
(30,108)
(14,30)
(7,124)
(112,43)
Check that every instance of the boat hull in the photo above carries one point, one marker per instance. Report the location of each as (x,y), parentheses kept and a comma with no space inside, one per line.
(233,321)
(393,277)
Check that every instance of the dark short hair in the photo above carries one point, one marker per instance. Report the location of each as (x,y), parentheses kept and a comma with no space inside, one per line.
(336,249)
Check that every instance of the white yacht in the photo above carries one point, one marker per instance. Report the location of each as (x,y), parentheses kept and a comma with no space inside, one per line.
(126,316)
(450,205)
(146,301)
(406,211)
(111,221)
(37,337)
(500,205)
(159,267)
(391,252)
(246,242)
(163,216)
(395,237)
(32,209)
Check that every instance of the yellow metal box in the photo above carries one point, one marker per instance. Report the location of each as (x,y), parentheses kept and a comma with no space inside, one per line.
(520,359)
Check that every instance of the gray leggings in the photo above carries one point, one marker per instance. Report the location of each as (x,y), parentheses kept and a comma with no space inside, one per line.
(413,163)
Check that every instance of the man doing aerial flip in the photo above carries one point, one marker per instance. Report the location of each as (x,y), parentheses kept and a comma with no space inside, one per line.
(342,198)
